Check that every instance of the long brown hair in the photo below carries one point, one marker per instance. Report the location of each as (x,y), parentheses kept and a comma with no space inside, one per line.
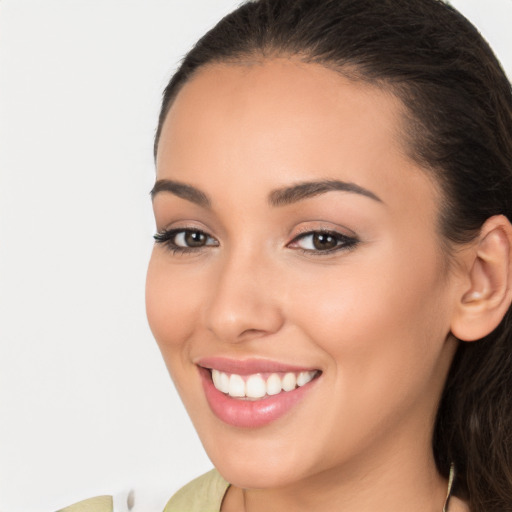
(458,126)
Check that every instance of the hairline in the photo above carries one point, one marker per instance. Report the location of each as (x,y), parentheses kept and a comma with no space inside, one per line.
(408,122)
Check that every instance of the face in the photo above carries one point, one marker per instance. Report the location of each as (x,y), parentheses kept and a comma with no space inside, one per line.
(298,266)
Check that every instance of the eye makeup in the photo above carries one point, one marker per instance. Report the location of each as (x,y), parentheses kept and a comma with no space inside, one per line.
(322,241)
(185,240)
(317,242)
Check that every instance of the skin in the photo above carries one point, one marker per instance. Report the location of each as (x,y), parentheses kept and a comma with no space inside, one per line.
(374,318)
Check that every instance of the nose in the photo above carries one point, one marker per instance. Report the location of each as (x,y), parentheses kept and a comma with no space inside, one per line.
(244,302)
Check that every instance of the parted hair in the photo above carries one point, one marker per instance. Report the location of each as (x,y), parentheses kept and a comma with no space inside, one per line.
(458,126)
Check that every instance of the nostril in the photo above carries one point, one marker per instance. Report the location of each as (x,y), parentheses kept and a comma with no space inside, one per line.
(253,333)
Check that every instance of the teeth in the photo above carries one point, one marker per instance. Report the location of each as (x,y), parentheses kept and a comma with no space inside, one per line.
(224,382)
(255,386)
(289,382)
(220,381)
(216,378)
(236,386)
(274,385)
(304,378)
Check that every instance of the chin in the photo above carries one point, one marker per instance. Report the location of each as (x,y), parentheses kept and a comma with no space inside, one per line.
(247,475)
(256,461)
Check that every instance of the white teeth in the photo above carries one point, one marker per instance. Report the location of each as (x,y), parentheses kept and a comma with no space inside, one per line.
(289,382)
(216,378)
(254,386)
(220,381)
(304,378)
(224,382)
(236,386)
(274,384)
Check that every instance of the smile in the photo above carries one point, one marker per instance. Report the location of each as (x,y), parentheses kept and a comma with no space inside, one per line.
(254,393)
(259,385)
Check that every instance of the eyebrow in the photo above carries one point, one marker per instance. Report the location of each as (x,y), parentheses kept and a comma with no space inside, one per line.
(280,197)
(305,190)
(182,190)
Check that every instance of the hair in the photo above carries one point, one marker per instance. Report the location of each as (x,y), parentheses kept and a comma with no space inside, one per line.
(458,125)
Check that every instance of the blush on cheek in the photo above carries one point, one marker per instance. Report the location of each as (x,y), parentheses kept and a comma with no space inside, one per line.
(166,311)
(167,324)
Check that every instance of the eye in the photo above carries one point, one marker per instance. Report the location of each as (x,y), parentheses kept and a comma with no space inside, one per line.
(190,239)
(323,242)
(185,240)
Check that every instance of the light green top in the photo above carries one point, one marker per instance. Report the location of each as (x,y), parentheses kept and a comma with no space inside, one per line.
(98,504)
(204,494)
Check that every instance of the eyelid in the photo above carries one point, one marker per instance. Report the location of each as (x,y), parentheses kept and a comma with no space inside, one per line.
(322,226)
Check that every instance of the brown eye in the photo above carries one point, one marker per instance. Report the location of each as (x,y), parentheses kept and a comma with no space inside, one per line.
(185,240)
(324,241)
(194,239)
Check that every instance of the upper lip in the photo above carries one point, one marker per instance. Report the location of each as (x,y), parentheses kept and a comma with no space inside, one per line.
(249,366)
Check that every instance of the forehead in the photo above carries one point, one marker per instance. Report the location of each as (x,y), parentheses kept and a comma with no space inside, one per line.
(280,121)
(282,97)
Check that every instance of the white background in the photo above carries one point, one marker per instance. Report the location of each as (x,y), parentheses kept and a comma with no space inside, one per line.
(86,406)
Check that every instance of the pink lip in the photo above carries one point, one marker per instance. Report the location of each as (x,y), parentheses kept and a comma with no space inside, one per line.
(250,413)
(248,366)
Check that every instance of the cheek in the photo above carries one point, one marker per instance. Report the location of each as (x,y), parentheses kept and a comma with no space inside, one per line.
(382,321)
(172,299)
(383,330)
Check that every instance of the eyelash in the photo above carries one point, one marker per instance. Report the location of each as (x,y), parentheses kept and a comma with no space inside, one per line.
(167,238)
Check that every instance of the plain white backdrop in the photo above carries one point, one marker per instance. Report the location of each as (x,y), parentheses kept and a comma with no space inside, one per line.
(86,405)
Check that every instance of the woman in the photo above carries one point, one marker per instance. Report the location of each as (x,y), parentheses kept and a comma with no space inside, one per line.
(331,280)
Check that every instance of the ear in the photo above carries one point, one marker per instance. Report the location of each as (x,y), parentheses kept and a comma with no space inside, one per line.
(485,300)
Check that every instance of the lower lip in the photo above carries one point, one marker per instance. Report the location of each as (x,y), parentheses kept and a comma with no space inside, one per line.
(250,413)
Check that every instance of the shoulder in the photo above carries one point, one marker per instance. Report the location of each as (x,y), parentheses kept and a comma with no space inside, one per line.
(98,504)
(204,494)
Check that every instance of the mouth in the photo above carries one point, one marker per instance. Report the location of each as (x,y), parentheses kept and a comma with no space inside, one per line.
(259,385)
(251,394)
